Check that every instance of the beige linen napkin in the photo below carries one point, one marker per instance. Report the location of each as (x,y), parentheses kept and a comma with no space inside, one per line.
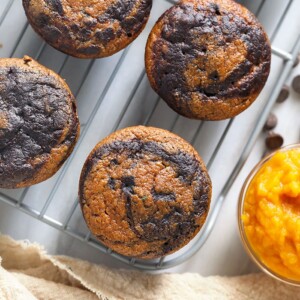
(27,272)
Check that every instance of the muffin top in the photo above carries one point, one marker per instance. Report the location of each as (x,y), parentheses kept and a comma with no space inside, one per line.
(88,28)
(208,59)
(144,192)
(38,122)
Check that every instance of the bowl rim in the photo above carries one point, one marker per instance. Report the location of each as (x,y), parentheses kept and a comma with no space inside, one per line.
(246,244)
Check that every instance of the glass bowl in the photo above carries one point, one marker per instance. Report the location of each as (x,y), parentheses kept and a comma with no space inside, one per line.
(245,242)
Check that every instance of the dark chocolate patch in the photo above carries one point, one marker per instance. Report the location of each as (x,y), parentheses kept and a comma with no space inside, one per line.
(56,6)
(160,196)
(214,75)
(85,34)
(216,9)
(53,33)
(122,10)
(105,35)
(36,110)
(172,227)
(127,185)
(75,28)
(42,20)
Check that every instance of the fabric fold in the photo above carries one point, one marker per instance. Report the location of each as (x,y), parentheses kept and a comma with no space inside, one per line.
(27,272)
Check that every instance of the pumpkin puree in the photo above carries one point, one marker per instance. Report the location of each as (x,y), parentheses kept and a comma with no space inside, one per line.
(271,213)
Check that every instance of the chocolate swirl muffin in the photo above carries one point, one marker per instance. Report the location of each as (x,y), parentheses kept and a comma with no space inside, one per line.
(208,59)
(38,122)
(88,28)
(144,192)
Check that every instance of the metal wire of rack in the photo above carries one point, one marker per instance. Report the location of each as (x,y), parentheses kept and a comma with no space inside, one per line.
(134,111)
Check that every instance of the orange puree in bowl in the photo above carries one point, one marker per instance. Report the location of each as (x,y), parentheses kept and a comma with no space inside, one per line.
(271,213)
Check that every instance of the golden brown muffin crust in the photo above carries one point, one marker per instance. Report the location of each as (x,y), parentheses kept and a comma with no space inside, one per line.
(144,192)
(88,28)
(38,122)
(208,59)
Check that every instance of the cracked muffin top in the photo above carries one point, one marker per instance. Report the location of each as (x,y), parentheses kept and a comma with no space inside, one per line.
(88,28)
(38,122)
(208,59)
(144,192)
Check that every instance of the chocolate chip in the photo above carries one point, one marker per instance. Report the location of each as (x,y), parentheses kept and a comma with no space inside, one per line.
(284,94)
(271,122)
(274,140)
(296,84)
(296,63)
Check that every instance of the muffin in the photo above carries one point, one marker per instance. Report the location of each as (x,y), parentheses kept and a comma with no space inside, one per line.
(144,192)
(208,59)
(38,122)
(88,28)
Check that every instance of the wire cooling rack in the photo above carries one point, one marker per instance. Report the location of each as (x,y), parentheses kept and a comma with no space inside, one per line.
(114,92)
